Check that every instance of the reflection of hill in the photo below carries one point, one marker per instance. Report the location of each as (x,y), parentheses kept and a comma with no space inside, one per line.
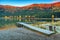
(37,10)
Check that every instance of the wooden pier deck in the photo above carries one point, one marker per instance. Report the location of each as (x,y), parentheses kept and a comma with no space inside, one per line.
(47,32)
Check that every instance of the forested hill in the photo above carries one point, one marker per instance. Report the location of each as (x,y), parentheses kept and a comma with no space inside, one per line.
(37,10)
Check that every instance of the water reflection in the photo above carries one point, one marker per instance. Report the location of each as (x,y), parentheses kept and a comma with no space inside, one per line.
(10,21)
(6,21)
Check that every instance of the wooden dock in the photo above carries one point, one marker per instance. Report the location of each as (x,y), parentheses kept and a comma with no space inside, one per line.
(47,32)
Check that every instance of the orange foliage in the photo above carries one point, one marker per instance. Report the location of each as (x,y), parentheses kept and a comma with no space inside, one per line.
(57,4)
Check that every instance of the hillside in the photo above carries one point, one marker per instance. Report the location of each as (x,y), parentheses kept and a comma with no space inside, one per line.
(37,10)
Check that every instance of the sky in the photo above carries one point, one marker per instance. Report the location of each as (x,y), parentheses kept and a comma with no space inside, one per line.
(25,2)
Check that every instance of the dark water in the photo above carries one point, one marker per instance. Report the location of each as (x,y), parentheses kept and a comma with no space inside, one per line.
(10,21)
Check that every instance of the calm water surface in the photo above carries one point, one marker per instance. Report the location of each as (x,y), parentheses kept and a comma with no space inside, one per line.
(12,21)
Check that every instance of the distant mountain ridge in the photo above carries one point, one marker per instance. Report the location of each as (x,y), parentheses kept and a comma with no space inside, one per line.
(57,4)
(33,10)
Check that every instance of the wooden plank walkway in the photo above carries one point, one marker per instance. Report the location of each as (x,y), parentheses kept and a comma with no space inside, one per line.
(47,32)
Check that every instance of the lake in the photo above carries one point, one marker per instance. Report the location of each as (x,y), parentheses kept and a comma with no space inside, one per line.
(11,22)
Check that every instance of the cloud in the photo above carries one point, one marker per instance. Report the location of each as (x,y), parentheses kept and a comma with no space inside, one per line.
(57,0)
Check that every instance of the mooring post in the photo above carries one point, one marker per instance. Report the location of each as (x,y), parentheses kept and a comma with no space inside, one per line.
(52,19)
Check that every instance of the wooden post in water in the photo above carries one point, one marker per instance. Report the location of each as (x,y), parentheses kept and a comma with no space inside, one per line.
(29,17)
(6,18)
(51,27)
(52,19)
(20,17)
